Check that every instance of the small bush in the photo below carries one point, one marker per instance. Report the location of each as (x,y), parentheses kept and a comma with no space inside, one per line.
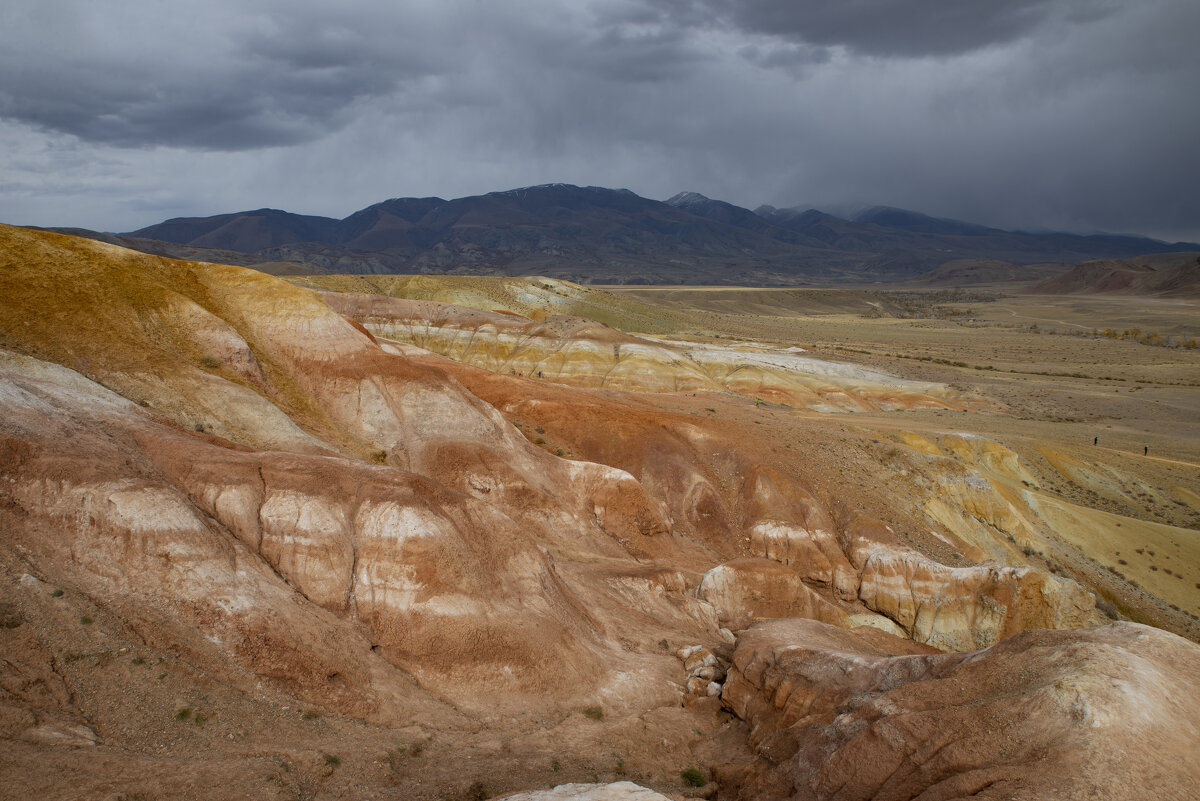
(558,452)
(183,714)
(85,620)
(137,660)
(594,712)
(331,760)
(693,778)
(56,594)
(539,441)
(311,714)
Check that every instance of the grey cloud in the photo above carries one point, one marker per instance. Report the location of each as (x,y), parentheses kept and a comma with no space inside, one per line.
(1065,113)
(222,90)
(636,53)
(787,56)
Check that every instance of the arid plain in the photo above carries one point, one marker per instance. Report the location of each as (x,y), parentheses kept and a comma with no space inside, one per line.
(453,538)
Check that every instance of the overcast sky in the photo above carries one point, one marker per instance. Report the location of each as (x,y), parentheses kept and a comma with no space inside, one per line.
(1079,115)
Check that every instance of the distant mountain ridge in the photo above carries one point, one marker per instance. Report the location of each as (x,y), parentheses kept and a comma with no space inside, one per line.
(599,235)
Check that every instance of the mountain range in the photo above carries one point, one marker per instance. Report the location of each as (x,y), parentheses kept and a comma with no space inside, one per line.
(598,235)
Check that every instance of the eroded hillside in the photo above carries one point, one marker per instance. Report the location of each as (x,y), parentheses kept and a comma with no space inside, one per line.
(261,539)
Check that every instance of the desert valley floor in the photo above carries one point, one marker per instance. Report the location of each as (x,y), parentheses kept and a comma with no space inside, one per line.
(421,537)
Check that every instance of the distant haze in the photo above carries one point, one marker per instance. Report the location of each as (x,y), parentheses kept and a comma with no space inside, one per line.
(1075,115)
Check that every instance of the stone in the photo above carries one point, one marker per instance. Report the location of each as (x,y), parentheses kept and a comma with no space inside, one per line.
(615,791)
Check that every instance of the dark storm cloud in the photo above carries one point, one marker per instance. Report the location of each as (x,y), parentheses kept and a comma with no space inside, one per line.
(900,27)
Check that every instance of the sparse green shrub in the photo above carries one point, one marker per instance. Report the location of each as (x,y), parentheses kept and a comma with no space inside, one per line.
(85,620)
(539,441)
(693,778)
(331,760)
(311,714)
(594,712)
(558,452)
(56,594)
(137,660)
(183,714)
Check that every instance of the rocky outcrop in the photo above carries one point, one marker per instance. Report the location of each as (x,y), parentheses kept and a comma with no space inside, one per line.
(616,791)
(706,671)
(960,608)
(1104,712)
(749,589)
(792,527)
(805,573)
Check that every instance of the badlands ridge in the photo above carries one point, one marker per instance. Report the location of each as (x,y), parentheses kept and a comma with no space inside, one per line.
(262,540)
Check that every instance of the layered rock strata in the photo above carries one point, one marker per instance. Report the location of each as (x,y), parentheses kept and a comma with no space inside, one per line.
(582,353)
